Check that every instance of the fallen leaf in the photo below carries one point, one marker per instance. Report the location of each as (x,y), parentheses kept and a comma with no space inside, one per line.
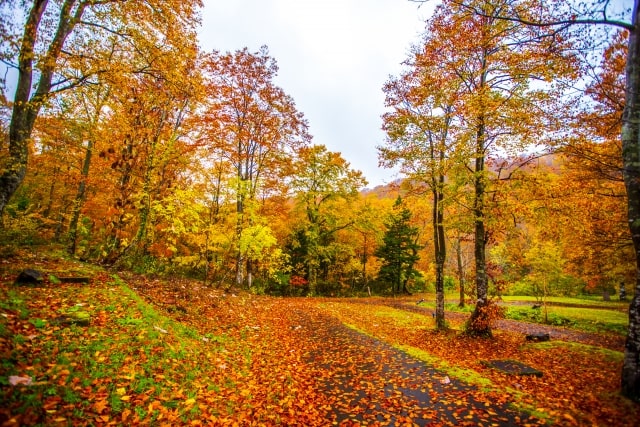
(17,380)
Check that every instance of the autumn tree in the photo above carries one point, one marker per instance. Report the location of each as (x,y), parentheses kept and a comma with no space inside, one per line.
(601,247)
(151,88)
(420,138)
(399,250)
(563,19)
(168,86)
(495,62)
(255,126)
(367,231)
(49,35)
(322,181)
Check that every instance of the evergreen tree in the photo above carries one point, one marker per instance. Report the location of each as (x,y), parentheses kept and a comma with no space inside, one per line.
(399,251)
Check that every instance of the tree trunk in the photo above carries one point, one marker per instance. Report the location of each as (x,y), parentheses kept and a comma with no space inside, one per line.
(631,162)
(26,107)
(239,267)
(478,324)
(440,322)
(239,228)
(460,271)
(364,262)
(143,214)
(52,192)
(123,201)
(249,274)
(62,214)
(150,167)
(439,249)
(79,199)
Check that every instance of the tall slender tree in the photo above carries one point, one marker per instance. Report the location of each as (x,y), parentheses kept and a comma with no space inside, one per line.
(421,139)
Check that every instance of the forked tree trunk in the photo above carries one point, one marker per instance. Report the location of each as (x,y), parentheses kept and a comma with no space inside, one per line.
(26,106)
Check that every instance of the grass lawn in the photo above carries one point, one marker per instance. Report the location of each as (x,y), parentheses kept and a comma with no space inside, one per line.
(586,315)
(587,300)
(595,301)
(580,318)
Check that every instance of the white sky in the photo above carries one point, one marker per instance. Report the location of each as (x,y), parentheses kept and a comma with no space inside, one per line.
(334,57)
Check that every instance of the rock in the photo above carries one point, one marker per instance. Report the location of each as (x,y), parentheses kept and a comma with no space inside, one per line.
(512,367)
(80,318)
(29,276)
(538,337)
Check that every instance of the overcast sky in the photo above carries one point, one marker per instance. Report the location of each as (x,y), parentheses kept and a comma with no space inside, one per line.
(333,56)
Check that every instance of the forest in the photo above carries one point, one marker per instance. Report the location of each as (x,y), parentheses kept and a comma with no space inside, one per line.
(131,148)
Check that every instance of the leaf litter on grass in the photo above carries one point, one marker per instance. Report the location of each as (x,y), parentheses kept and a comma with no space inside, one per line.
(176,352)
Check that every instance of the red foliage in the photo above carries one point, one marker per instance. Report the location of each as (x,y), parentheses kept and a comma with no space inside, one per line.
(298,281)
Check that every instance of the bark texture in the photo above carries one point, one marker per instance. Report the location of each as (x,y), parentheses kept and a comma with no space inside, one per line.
(631,160)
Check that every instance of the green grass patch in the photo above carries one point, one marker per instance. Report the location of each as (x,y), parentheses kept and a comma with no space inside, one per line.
(467,376)
(38,323)
(12,301)
(593,301)
(401,318)
(134,348)
(579,318)
(610,355)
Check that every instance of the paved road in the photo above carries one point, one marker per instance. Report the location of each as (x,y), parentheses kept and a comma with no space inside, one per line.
(368,381)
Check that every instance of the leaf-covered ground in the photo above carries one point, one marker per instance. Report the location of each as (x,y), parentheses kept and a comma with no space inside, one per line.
(175,352)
